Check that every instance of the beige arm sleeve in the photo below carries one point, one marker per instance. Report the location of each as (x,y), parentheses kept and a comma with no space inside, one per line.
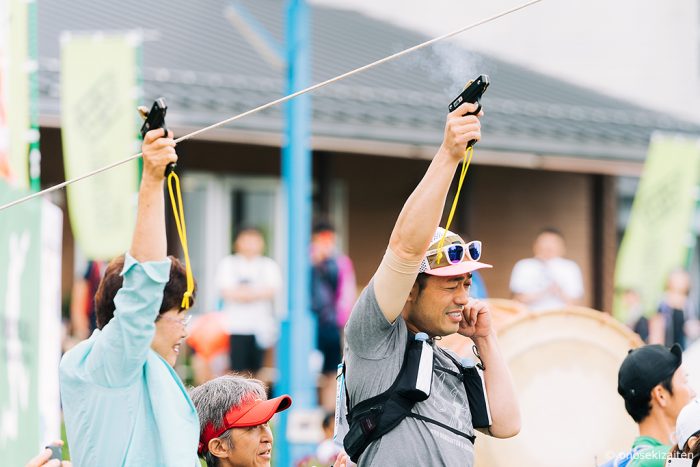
(393,282)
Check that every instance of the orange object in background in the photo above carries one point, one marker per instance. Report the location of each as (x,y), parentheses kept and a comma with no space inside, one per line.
(208,336)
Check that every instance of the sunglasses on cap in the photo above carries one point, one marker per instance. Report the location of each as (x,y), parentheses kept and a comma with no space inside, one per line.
(454,253)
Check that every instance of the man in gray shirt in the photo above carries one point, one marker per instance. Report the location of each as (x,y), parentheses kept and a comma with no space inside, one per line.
(399,300)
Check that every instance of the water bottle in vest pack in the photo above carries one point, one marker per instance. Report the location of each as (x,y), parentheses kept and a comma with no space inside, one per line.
(419,369)
(476,394)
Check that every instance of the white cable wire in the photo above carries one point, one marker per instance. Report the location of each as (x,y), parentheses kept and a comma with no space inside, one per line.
(280,100)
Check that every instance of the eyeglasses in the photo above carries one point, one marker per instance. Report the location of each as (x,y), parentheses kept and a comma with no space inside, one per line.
(454,254)
(182,321)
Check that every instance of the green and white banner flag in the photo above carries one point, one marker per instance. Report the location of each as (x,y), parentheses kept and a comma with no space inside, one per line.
(99,127)
(30,326)
(659,233)
(16,69)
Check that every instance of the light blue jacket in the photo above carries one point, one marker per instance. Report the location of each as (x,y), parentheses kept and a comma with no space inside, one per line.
(123,404)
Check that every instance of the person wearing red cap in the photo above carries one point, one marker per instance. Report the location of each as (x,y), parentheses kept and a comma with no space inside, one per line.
(422,286)
(234,412)
(233,416)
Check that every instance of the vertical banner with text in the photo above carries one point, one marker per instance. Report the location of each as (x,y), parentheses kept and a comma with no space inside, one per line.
(659,233)
(100,127)
(30,326)
(17,67)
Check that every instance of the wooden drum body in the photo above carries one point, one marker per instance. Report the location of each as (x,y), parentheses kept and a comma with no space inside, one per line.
(564,365)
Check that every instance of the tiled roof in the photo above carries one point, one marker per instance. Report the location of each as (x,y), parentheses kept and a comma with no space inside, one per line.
(208,71)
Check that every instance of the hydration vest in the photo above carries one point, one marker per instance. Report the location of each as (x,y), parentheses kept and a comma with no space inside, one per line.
(372,418)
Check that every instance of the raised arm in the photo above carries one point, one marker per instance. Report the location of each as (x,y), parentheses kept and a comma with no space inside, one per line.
(121,348)
(149,242)
(421,214)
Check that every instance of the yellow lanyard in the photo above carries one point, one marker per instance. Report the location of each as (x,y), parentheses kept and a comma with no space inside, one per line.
(465,166)
(179,214)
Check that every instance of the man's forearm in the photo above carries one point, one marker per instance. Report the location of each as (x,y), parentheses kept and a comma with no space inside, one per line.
(422,211)
(265,293)
(503,402)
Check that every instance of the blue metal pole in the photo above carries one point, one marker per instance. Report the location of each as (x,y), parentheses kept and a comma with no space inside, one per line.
(298,331)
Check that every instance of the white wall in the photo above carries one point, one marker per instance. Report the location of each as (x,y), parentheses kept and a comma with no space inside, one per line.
(645,51)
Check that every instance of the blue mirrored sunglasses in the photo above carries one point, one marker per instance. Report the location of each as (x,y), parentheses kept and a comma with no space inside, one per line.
(454,254)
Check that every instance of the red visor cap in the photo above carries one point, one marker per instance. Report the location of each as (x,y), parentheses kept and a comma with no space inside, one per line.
(251,413)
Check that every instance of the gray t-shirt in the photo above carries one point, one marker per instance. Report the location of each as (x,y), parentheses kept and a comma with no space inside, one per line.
(374,352)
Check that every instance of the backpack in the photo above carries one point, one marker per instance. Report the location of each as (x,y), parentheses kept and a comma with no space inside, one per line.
(372,418)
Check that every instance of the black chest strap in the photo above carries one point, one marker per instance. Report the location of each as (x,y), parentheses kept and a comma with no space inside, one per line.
(471,438)
(450,372)
(372,418)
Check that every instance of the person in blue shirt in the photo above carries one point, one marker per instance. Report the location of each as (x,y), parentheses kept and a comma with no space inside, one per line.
(123,403)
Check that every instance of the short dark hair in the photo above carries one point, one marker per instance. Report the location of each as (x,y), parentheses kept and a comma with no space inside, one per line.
(551,230)
(113,281)
(639,408)
(422,281)
(322,226)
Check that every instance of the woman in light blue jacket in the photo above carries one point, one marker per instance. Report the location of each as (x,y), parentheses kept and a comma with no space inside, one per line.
(123,402)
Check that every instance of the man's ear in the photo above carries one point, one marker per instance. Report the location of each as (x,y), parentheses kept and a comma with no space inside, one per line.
(659,394)
(218,447)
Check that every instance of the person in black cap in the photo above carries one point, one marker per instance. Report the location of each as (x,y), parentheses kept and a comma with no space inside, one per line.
(655,389)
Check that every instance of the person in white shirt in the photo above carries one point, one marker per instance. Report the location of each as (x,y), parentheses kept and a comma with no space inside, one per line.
(548,281)
(248,283)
